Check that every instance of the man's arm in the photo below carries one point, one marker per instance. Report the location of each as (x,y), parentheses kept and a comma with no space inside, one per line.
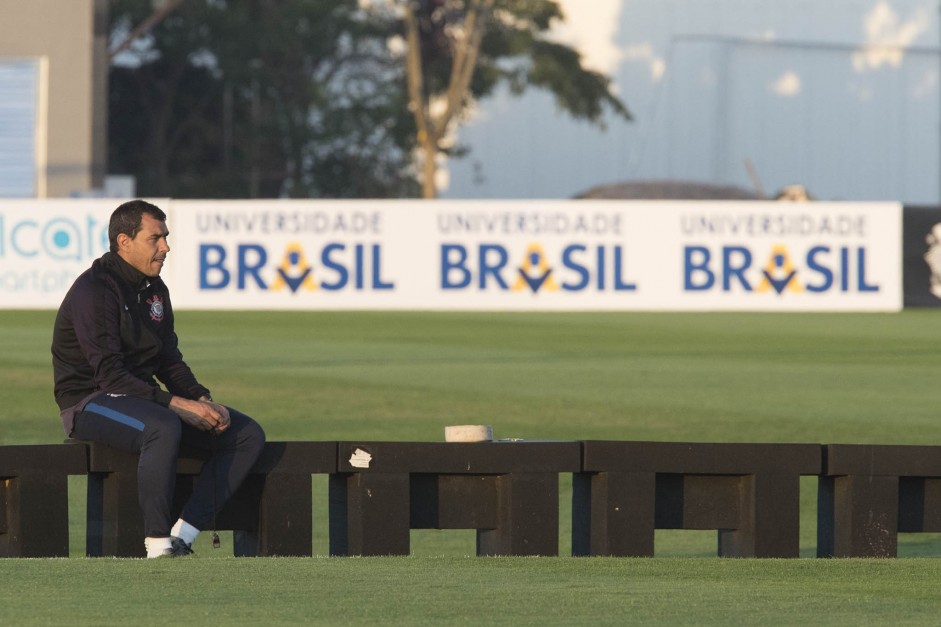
(202,413)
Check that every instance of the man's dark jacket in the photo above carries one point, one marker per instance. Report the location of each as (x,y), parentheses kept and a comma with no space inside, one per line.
(114,334)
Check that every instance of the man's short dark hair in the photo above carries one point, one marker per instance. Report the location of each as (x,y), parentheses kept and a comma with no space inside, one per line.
(127,219)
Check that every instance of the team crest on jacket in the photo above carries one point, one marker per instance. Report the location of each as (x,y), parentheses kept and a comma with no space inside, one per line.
(156,308)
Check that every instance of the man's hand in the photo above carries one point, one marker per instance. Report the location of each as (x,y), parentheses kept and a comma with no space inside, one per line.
(203,414)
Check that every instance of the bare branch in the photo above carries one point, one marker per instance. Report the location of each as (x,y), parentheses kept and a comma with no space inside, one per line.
(464,63)
(144,27)
(414,72)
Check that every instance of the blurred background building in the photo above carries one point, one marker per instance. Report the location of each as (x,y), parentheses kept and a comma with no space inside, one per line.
(53,97)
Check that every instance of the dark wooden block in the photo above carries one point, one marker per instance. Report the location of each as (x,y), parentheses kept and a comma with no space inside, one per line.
(527,516)
(369,514)
(882,460)
(769,524)
(698,501)
(34,499)
(869,493)
(613,513)
(749,493)
(857,516)
(701,458)
(454,501)
(459,458)
(271,513)
(507,491)
(919,504)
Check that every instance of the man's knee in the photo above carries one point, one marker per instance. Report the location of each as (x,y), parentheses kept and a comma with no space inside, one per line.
(252,437)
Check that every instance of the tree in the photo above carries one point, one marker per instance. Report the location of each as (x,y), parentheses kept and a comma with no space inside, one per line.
(458,51)
(259,98)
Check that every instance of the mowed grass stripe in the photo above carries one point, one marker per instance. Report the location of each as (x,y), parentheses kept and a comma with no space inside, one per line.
(458,591)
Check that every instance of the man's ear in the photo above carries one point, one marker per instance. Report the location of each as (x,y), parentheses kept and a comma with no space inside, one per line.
(123,240)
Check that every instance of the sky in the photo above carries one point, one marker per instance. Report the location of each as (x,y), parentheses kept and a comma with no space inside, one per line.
(591,27)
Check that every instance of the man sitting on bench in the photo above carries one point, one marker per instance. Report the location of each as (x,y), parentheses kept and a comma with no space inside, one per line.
(113,335)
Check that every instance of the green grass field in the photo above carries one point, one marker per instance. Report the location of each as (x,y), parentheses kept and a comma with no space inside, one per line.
(830,378)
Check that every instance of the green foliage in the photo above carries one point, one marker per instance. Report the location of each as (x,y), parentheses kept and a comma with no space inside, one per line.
(583,94)
(260,98)
(305,98)
(516,49)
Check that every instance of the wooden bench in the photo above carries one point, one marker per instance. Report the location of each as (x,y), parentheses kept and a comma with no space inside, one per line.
(507,491)
(34,498)
(869,493)
(271,514)
(750,493)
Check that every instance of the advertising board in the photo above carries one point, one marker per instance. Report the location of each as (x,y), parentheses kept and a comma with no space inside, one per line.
(482,255)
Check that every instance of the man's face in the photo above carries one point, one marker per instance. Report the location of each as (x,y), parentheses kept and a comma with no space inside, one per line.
(148,250)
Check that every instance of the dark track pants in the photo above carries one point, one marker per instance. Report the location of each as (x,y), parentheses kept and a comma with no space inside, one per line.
(136,425)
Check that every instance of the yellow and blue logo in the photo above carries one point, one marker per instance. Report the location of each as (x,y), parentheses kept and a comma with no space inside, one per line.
(339,266)
(294,271)
(576,268)
(819,269)
(535,272)
(779,273)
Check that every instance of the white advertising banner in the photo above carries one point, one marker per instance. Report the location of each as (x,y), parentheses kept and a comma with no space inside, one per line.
(484,255)
(532,255)
(783,256)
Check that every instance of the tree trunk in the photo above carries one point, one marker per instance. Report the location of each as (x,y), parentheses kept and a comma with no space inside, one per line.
(431,130)
(429,168)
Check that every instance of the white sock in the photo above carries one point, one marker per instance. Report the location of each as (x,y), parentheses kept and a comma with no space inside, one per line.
(156,546)
(184,531)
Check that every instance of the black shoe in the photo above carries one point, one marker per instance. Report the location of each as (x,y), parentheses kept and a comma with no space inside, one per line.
(178,548)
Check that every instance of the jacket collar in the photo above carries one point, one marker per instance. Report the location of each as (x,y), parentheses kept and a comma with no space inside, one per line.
(116,264)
